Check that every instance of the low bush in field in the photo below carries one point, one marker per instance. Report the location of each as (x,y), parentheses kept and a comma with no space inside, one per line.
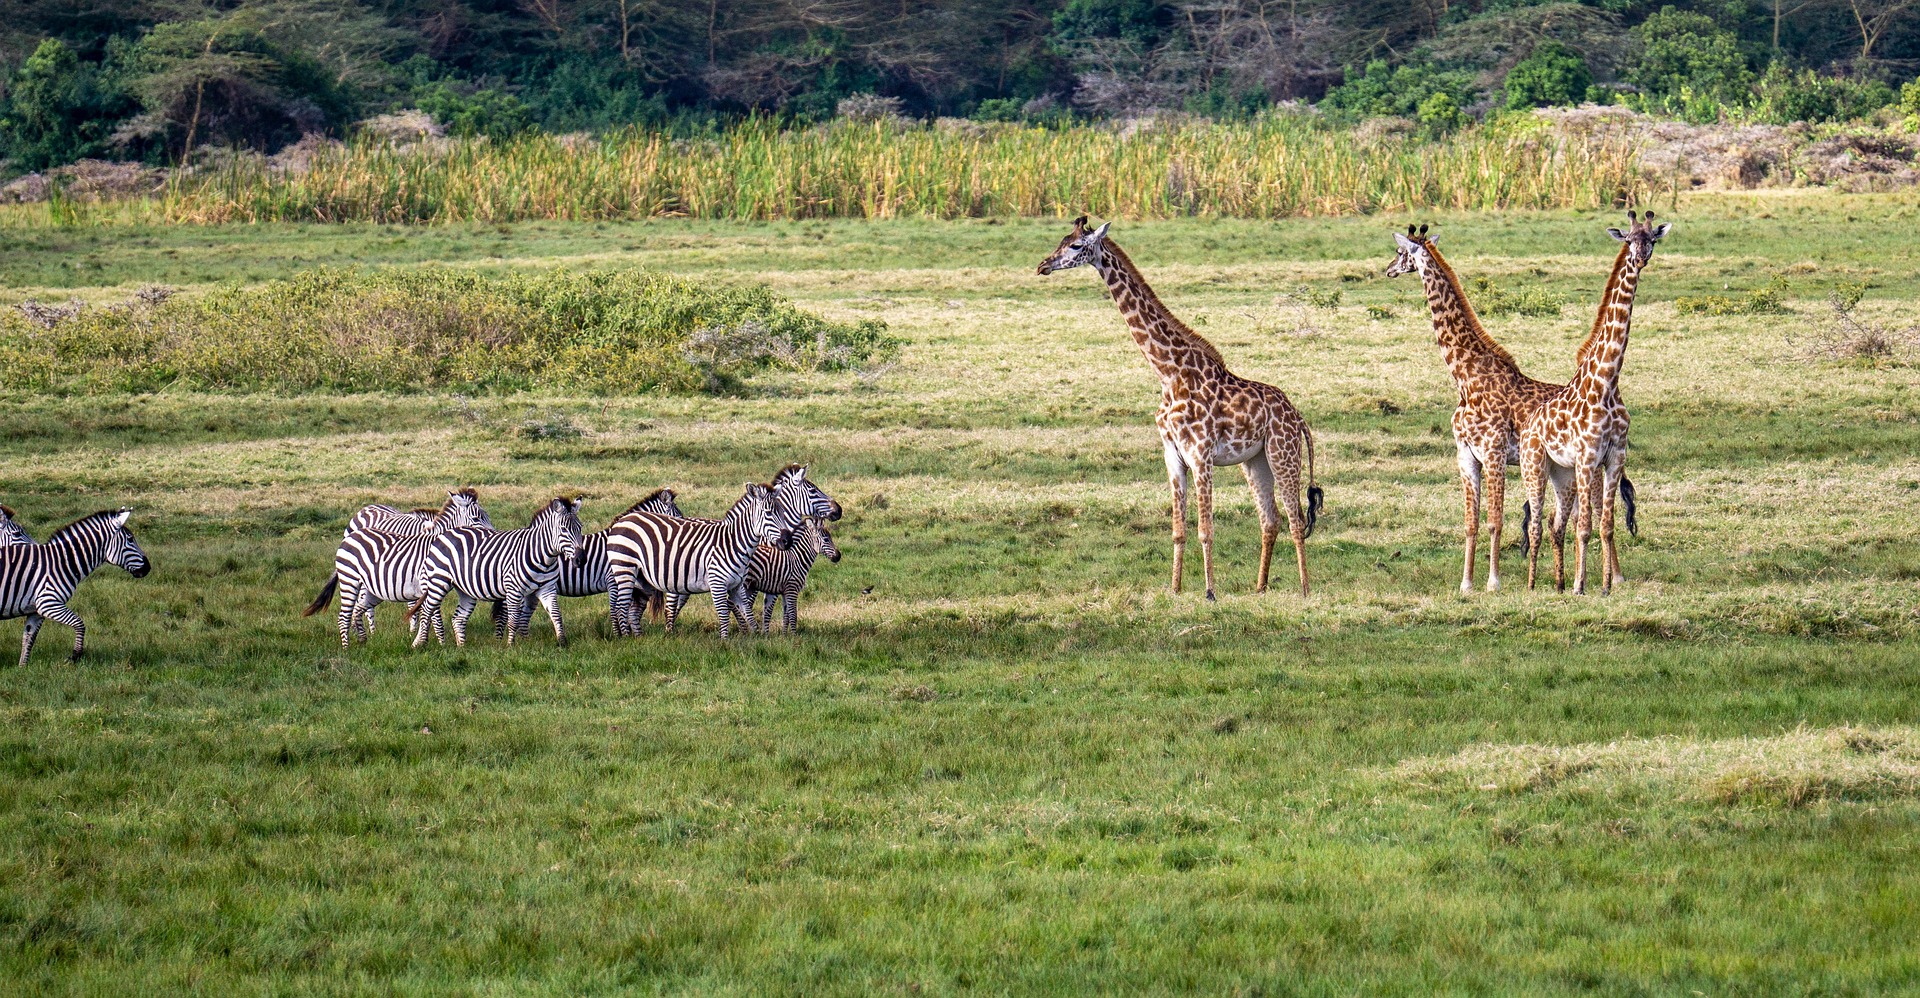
(400,330)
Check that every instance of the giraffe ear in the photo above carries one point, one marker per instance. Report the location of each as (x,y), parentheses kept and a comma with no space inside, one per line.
(1617,234)
(1099,233)
(1404,242)
(1660,231)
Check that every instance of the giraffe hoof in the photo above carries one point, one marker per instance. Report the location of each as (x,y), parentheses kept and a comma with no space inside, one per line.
(1210,598)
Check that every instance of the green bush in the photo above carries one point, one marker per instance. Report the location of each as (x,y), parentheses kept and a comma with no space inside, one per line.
(1770,300)
(496,114)
(1551,75)
(57,109)
(433,328)
(1491,299)
(1400,91)
(1783,97)
(1688,59)
(1440,115)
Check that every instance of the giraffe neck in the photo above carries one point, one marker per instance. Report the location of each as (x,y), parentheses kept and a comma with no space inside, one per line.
(1597,364)
(1464,344)
(1174,351)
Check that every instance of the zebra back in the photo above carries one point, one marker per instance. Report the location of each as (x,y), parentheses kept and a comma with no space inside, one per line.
(462,509)
(29,572)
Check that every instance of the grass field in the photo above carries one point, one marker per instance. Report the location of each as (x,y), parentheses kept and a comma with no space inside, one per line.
(1001,757)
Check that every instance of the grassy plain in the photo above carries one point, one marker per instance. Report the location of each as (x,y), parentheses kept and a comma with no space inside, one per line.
(1001,758)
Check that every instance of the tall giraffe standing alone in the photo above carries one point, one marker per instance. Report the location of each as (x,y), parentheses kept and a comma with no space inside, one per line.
(1208,415)
(1579,437)
(1496,400)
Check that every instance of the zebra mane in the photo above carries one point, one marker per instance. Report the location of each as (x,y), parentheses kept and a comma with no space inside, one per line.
(655,494)
(74,527)
(4,508)
(427,509)
(468,492)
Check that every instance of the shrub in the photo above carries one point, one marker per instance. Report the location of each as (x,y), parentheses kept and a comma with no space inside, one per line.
(1551,75)
(1439,115)
(1397,92)
(1769,300)
(1783,97)
(1492,299)
(432,328)
(1688,57)
(493,113)
(58,109)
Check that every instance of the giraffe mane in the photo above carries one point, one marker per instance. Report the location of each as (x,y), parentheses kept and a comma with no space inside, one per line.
(1487,342)
(1120,259)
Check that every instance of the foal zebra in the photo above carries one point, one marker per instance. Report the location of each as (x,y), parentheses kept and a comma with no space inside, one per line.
(372,566)
(11,532)
(784,573)
(36,580)
(505,565)
(679,556)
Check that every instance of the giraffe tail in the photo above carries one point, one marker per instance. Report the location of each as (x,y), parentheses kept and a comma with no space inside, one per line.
(1526,521)
(326,596)
(1315,497)
(1626,497)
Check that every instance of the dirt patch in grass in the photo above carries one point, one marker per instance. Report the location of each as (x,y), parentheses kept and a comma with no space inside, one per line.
(1794,769)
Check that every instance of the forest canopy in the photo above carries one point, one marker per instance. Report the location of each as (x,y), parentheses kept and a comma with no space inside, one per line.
(155,79)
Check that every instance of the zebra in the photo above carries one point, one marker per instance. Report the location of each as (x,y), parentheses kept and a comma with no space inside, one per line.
(508,565)
(385,519)
(11,532)
(372,567)
(587,575)
(784,573)
(680,556)
(36,580)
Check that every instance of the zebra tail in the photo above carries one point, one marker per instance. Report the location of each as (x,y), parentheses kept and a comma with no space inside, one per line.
(1315,497)
(1626,496)
(414,608)
(326,596)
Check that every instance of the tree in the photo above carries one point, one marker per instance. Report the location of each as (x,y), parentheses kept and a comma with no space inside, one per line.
(60,109)
(1688,51)
(1873,18)
(1552,75)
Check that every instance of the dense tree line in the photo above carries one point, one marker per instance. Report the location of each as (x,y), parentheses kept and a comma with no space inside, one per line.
(155,79)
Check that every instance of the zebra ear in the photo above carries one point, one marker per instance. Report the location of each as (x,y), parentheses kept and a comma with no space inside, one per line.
(120,518)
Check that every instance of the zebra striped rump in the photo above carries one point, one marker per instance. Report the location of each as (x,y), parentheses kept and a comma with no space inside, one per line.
(37,580)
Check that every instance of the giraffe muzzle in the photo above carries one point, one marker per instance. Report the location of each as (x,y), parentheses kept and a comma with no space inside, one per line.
(1043,270)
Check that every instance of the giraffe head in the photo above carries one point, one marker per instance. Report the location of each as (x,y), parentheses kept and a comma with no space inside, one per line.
(1081,248)
(1640,236)
(1414,252)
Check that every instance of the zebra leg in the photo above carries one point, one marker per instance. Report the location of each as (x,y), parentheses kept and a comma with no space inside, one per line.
(348,613)
(550,598)
(34,621)
(501,614)
(462,613)
(618,599)
(60,613)
(723,607)
(674,601)
(790,607)
(432,594)
(743,610)
(766,610)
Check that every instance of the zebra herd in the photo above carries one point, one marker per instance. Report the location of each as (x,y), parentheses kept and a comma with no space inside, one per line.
(651,554)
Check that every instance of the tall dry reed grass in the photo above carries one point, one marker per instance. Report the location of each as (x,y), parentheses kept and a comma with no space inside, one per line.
(1276,167)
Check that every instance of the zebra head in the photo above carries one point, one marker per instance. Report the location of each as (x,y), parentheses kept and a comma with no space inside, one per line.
(800,499)
(11,532)
(463,510)
(823,542)
(764,515)
(560,522)
(122,549)
(1080,248)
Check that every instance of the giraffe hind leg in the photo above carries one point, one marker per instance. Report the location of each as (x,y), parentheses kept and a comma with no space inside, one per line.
(1260,475)
(1177,481)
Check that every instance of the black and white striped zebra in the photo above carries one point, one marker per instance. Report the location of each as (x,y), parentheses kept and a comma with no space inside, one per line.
(507,565)
(373,567)
(587,575)
(36,580)
(782,574)
(673,555)
(11,532)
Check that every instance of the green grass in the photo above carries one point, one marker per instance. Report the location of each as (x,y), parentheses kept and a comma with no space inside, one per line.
(1015,763)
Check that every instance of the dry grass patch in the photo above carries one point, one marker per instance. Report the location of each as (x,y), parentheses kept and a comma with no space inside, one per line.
(1795,769)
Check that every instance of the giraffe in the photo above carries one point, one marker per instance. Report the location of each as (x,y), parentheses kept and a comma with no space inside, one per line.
(1579,437)
(1495,399)
(1208,415)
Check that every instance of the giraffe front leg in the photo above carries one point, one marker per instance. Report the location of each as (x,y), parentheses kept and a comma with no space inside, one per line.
(1203,518)
(1616,470)
(1470,474)
(1563,499)
(1177,479)
(32,631)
